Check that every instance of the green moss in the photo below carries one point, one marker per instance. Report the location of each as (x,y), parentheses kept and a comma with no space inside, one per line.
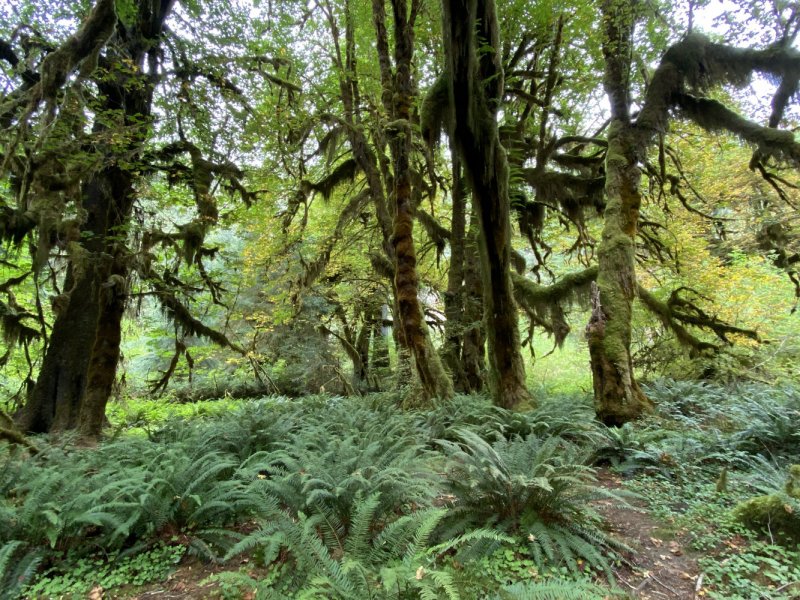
(435,111)
(774,513)
(769,513)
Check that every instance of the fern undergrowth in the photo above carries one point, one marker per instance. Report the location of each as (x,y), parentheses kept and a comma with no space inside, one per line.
(357,499)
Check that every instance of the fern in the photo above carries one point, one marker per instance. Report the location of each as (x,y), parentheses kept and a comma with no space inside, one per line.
(14,576)
(561,590)
(536,488)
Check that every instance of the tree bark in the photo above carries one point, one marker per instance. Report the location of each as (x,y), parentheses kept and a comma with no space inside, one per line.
(85,339)
(102,368)
(454,296)
(361,378)
(54,403)
(434,379)
(380,366)
(476,90)
(618,398)
(474,350)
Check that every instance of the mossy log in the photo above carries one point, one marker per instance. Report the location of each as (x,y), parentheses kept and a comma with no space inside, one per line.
(778,513)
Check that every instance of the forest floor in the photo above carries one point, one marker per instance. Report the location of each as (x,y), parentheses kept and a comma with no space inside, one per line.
(663,566)
(668,487)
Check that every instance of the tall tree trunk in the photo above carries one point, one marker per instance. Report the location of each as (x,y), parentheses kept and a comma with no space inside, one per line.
(618,398)
(432,375)
(454,297)
(361,379)
(85,339)
(474,349)
(102,368)
(475,92)
(54,404)
(380,366)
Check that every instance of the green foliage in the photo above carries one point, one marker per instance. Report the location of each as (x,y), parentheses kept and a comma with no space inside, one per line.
(374,559)
(354,497)
(534,487)
(777,512)
(326,466)
(17,568)
(107,571)
(629,448)
(739,420)
(750,573)
(569,416)
(561,590)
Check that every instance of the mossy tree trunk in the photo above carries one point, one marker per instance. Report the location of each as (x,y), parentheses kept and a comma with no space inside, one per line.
(454,296)
(81,360)
(474,344)
(105,353)
(54,402)
(430,370)
(618,398)
(362,377)
(476,90)
(380,365)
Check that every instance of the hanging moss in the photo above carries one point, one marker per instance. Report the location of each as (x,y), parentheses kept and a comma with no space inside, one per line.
(343,173)
(84,45)
(677,313)
(435,112)
(545,304)
(438,234)
(520,265)
(193,233)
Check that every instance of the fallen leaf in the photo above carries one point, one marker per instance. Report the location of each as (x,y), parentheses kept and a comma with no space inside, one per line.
(96,593)
(656,542)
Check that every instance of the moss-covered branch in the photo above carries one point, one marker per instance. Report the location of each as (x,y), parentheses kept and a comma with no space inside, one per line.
(696,63)
(676,313)
(437,233)
(181,315)
(9,433)
(713,115)
(544,304)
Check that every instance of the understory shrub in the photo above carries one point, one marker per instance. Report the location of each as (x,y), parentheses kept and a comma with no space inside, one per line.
(537,488)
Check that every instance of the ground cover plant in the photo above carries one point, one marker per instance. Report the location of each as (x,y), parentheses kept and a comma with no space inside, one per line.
(330,497)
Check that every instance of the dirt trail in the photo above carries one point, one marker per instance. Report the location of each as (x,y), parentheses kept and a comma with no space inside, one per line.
(661,568)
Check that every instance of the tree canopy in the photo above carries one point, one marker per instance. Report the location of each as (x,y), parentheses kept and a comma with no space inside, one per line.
(352,197)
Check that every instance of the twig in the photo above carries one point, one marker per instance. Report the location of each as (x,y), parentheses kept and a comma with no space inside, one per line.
(665,586)
(699,584)
(785,585)
(623,581)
